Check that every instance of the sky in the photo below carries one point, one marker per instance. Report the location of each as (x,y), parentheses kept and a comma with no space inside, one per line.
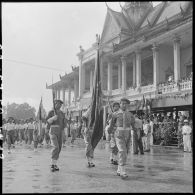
(45,35)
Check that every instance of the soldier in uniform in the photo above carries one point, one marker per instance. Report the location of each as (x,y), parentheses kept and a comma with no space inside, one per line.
(10,127)
(124,121)
(26,131)
(113,146)
(87,139)
(73,130)
(56,122)
(21,131)
(30,130)
(138,133)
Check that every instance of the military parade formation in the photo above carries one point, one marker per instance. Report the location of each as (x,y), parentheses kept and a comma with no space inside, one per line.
(124,131)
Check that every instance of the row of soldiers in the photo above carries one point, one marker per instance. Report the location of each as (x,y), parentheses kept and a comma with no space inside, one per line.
(24,131)
(31,131)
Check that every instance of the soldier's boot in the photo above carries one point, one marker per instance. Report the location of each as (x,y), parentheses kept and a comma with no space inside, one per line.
(123,173)
(118,172)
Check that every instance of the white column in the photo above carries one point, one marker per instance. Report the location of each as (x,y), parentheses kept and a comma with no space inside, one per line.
(138,68)
(124,73)
(134,70)
(64,96)
(75,89)
(80,77)
(69,95)
(119,76)
(91,81)
(59,94)
(176,51)
(155,50)
(110,78)
(55,94)
(101,73)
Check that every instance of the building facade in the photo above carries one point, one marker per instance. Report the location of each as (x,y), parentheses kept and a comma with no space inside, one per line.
(144,51)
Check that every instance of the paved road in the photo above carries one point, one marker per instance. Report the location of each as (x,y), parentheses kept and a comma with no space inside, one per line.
(161,170)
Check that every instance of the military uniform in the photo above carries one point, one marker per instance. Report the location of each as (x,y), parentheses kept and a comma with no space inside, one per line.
(26,132)
(73,131)
(87,134)
(21,132)
(56,128)
(186,132)
(124,122)
(137,135)
(30,130)
(10,127)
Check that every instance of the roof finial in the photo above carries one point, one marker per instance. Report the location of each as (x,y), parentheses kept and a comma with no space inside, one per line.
(107,5)
(81,48)
(120,5)
(182,11)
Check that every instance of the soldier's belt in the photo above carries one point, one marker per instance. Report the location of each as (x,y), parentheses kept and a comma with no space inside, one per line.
(122,128)
(54,125)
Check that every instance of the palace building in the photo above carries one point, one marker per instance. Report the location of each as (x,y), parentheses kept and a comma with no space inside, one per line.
(144,51)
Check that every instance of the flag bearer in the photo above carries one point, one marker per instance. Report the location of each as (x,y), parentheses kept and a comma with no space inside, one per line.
(10,127)
(186,131)
(146,137)
(56,122)
(87,139)
(124,121)
(113,146)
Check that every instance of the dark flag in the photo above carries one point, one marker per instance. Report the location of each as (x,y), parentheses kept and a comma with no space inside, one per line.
(96,110)
(40,114)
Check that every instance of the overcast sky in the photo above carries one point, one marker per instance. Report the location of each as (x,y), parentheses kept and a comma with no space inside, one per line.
(45,34)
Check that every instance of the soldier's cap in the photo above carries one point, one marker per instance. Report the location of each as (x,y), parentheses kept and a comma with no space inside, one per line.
(125,100)
(58,101)
(185,121)
(115,103)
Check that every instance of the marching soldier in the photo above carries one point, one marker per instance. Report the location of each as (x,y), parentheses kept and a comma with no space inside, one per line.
(124,121)
(56,122)
(73,131)
(146,137)
(113,146)
(30,130)
(21,131)
(87,139)
(10,127)
(26,131)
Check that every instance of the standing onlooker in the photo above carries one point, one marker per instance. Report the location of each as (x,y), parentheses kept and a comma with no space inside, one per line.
(152,130)
(138,133)
(186,131)
(73,130)
(146,137)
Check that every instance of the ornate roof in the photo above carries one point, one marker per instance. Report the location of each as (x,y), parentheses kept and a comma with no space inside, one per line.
(137,19)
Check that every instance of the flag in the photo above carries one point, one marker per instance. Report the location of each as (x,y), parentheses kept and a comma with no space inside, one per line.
(144,103)
(40,114)
(96,110)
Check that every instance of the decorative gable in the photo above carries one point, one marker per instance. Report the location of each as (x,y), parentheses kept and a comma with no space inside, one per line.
(111,29)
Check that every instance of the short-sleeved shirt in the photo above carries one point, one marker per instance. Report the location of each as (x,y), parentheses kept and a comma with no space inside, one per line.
(124,119)
(61,121)
(10,126)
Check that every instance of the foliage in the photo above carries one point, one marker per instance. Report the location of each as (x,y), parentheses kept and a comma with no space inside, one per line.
(20,111)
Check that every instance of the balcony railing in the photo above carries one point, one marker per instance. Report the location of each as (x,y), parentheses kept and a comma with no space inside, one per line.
(174,87)
(116,91)
(148,88)
(185,85)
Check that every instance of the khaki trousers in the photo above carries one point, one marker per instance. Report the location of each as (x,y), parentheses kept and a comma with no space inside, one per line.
(123,142)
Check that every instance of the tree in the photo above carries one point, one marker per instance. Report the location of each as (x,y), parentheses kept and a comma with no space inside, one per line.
(20,111)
